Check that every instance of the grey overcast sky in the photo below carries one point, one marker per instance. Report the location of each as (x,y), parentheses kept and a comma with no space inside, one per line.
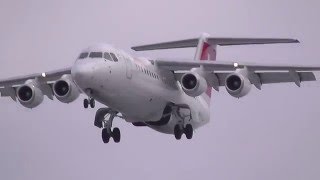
(270,134)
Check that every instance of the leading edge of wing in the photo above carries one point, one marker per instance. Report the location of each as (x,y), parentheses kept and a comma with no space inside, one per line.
(230,66)
(48,76)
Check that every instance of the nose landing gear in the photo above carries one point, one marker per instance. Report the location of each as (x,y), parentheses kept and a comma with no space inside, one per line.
(90,101)
(104,119)
(87,102)
(179,130)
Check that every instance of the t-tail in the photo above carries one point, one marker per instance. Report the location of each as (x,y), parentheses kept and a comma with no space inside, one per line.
(206,52)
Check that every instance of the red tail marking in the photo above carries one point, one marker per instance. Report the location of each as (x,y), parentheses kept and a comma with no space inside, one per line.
(208,53)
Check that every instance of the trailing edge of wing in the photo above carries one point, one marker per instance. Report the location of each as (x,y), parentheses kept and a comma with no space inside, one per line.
(216,41)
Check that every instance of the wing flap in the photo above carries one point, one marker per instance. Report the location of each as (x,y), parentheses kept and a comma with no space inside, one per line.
(266,74)
(282,77)
(274,77)
(8,92)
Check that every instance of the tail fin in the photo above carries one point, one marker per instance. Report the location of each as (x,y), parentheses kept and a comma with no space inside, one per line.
(206,52)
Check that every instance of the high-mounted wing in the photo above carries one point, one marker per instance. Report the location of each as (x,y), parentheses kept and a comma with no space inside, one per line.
(237,77)
(45,76)
(30,89)
(257,74)
(180,65)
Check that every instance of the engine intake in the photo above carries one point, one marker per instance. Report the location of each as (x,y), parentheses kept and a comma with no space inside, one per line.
(25,93)
(237,84)
(61,88)
(29,95)
(234,82)
(193,84)
(65,90)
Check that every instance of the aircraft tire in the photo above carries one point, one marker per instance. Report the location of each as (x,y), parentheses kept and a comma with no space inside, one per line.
(116,135)
(85,103)
(177,132)
(92,103)
(188,131)
(105,135)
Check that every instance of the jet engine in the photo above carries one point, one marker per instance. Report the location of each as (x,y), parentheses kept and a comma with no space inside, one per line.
(65,90)
(238,84)
(193,84)
(29,95)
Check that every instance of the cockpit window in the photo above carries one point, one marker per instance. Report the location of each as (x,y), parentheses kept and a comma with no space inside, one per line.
(107,56)
(114,57)
(83,55)
(95,55)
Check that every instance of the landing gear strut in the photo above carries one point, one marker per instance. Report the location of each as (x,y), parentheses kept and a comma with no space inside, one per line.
(179,130)
(87,102)
(104,119)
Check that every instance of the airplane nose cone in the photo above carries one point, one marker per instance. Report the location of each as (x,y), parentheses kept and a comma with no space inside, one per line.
(82,74)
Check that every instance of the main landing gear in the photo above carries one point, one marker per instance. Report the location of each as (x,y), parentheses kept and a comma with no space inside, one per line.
(104,118)
(179,130)
(89,101)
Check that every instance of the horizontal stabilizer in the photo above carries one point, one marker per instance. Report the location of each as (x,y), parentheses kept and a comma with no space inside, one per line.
(213,41)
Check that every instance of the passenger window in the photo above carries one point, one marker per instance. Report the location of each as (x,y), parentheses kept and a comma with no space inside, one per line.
(114,57)
(95,55)
(107,56)
(83,55)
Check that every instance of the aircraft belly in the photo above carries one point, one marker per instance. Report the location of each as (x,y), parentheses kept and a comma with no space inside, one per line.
(136,103)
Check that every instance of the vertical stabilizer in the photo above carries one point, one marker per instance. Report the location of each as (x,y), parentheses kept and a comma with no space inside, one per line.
(206,52)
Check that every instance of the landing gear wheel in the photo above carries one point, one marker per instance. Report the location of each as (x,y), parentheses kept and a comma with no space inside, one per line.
(177,132)
(188,131)
(86,103)
(116,135)
(105,135)
(92,103)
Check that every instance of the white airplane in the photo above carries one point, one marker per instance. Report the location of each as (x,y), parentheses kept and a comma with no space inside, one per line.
(171,97)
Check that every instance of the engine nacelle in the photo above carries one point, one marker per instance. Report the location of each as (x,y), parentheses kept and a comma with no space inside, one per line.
(238,84)
(29,95)
(65,90)
(193,84)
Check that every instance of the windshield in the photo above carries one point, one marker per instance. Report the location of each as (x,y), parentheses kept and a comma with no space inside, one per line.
(107,56)
(114,57)
(83,55)
(95,55)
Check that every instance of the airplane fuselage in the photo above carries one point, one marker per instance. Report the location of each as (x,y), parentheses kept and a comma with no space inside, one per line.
(137,89)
